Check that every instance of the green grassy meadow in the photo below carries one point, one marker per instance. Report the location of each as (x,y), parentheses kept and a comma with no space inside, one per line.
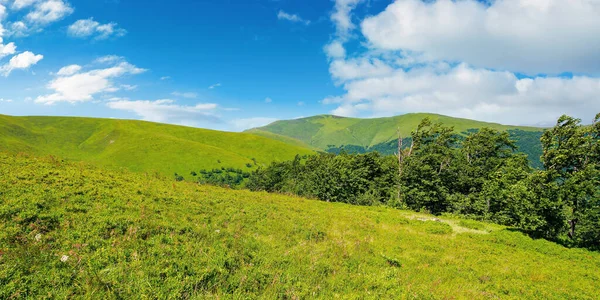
(325,130)
(140,146)
(73,230)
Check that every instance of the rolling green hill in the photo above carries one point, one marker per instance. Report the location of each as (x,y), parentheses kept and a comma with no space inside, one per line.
(70,230)
(140,146)
(331,133)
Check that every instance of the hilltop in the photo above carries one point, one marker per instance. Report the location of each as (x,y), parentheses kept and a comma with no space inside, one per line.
(331,133)
(71,230)
(139,145)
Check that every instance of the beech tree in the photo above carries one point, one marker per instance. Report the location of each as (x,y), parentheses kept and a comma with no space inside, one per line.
(571,162)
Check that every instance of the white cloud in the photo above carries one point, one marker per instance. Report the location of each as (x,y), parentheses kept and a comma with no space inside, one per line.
(342,17)
(20,61)
(81,87)
(5,100)
(214,86)
(49,11)
(188,95)
(3,13)
(268,100)
(7,49)
(282,15)
(335,49)
(460,58)
(358,68)
(467,92)
(165,78)
(109,59)
(20,4)
(243,124)
(18,29)
(301,103)
(69,70)
(167,111)
(528,36)
(88,27)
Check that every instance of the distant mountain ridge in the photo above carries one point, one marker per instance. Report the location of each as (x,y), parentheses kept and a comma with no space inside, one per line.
(332,133)
(141,146)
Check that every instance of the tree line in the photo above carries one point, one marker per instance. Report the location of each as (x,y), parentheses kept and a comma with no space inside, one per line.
(480,176)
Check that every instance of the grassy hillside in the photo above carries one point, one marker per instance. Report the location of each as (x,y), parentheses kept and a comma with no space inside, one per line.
(140,146)
(70,230)
(331,133)
(325,130)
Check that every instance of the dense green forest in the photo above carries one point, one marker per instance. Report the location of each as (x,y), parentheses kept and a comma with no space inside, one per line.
(481,175)
(527,142)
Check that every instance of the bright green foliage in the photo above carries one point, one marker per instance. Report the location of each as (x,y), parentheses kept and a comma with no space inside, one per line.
(68,230)
(483,169)
(225,177)
(139,146)
(426,177)
(528,142)
(572,168)
(357,179)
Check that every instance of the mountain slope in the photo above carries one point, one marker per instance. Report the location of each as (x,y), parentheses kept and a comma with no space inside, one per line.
(69,230)
(138,145)
(330,133)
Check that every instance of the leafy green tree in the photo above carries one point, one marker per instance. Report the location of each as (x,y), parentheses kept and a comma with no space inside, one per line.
(358,179)
(483,153)
(571,162)
(426,176)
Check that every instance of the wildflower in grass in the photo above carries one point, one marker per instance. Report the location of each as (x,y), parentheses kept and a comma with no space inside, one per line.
(64,258)
(38,237)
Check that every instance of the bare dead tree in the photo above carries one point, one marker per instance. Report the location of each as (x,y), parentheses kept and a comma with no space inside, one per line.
(402,156)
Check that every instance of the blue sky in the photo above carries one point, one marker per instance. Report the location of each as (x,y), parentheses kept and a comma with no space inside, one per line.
(235,64)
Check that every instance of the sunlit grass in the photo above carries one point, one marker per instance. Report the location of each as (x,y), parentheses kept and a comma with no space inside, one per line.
(140,146)
(135,235)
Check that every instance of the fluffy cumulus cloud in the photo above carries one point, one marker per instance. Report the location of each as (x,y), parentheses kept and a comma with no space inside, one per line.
(22,61)
(460,58)
(69,70)
(18,29)
(7,49)
(33,15)
(467,92)
(72,85)
(529,36)
(342,17)
(48,11)
(90,28)
(3,13)
(18,61)
(20,4)
(168,111)
(282,15)
(335,50)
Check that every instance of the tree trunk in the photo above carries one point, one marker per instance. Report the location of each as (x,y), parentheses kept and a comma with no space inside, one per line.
(572,224)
